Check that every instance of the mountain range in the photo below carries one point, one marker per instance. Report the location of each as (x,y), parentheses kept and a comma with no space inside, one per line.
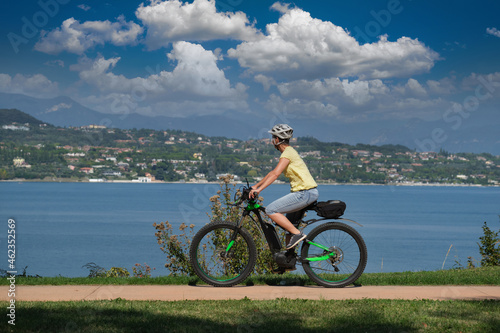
(468,135)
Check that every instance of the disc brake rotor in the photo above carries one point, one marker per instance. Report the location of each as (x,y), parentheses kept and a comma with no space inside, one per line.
(337,258)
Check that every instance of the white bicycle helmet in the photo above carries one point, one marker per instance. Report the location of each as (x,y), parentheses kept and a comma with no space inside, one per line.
(282,131)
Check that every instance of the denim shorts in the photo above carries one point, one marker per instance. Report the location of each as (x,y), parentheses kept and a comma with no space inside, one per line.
(293,202)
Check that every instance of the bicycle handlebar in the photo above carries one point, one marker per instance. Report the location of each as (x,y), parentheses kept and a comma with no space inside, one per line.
(245,194)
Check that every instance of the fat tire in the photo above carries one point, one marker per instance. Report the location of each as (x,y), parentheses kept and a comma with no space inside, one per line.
(363,253)
(200,235)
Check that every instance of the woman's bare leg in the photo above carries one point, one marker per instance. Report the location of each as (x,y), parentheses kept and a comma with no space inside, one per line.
(283,222)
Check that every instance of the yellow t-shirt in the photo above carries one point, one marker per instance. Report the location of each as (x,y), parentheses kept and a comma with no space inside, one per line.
(297,171)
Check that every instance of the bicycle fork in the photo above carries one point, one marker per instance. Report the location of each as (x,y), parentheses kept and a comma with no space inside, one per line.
(234,235)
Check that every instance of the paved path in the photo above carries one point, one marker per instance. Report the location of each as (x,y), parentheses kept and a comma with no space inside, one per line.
(177,293)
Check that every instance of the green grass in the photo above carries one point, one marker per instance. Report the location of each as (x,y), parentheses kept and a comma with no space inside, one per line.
(280,315)
(477,276)
(61,280)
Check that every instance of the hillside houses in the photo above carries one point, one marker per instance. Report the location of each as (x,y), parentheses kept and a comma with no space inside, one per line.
(127,155)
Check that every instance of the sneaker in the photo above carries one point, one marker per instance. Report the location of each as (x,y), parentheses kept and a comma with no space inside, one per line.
(296,239)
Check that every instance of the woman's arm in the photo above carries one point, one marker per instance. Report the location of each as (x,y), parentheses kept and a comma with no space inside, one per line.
(260,182)
(270,177)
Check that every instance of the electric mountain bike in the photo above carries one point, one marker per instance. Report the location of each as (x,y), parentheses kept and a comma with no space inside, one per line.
(223,253)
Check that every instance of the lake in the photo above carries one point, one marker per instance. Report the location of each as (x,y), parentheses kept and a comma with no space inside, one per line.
(62,226)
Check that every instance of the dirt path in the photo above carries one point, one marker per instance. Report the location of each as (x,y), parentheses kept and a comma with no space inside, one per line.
(177,293)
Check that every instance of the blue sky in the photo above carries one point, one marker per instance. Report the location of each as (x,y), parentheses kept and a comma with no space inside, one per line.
(324,60)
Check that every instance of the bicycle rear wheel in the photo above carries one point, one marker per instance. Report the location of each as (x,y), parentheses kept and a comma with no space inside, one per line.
(222,255)
(340,260)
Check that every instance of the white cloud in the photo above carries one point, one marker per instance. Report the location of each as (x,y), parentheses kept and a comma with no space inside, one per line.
(55,63)
(493,31)
(488,82)
(84,7)
(59,107)
(358,91)
(483,87)
(297,108)
(445,86)
(76,37)
(281,7)
(196,83)
(414,88)
(356,99)
(31,85)
(334,90)
(196,73)
(266,82)
(173,20)
(299,46)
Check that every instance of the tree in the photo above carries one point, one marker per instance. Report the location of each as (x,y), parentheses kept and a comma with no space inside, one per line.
(489,247)
(4,174)
(252,173)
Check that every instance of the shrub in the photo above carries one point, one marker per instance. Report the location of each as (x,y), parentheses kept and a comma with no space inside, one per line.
(117,272)
(141,271)
(98,271)
(95,270)
(176,247)
(489,247)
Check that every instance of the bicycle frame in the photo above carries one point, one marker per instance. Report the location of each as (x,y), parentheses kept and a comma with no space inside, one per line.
(271,235)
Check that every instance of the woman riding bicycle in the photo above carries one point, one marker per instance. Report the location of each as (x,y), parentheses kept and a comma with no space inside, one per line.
(303,187)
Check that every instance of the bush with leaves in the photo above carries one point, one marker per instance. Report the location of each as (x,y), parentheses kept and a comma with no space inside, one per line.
(489,247)
(95,270)
(98,271)
(117,272)
(141,271)
(176,247)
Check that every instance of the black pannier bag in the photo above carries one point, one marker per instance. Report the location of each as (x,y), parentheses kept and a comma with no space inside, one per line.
(330,209)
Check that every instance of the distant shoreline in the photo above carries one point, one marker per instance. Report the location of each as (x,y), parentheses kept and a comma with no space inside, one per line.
(62,180)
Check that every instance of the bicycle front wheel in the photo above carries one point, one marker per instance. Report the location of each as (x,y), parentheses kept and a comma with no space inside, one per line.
(340,258)
(223,255)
